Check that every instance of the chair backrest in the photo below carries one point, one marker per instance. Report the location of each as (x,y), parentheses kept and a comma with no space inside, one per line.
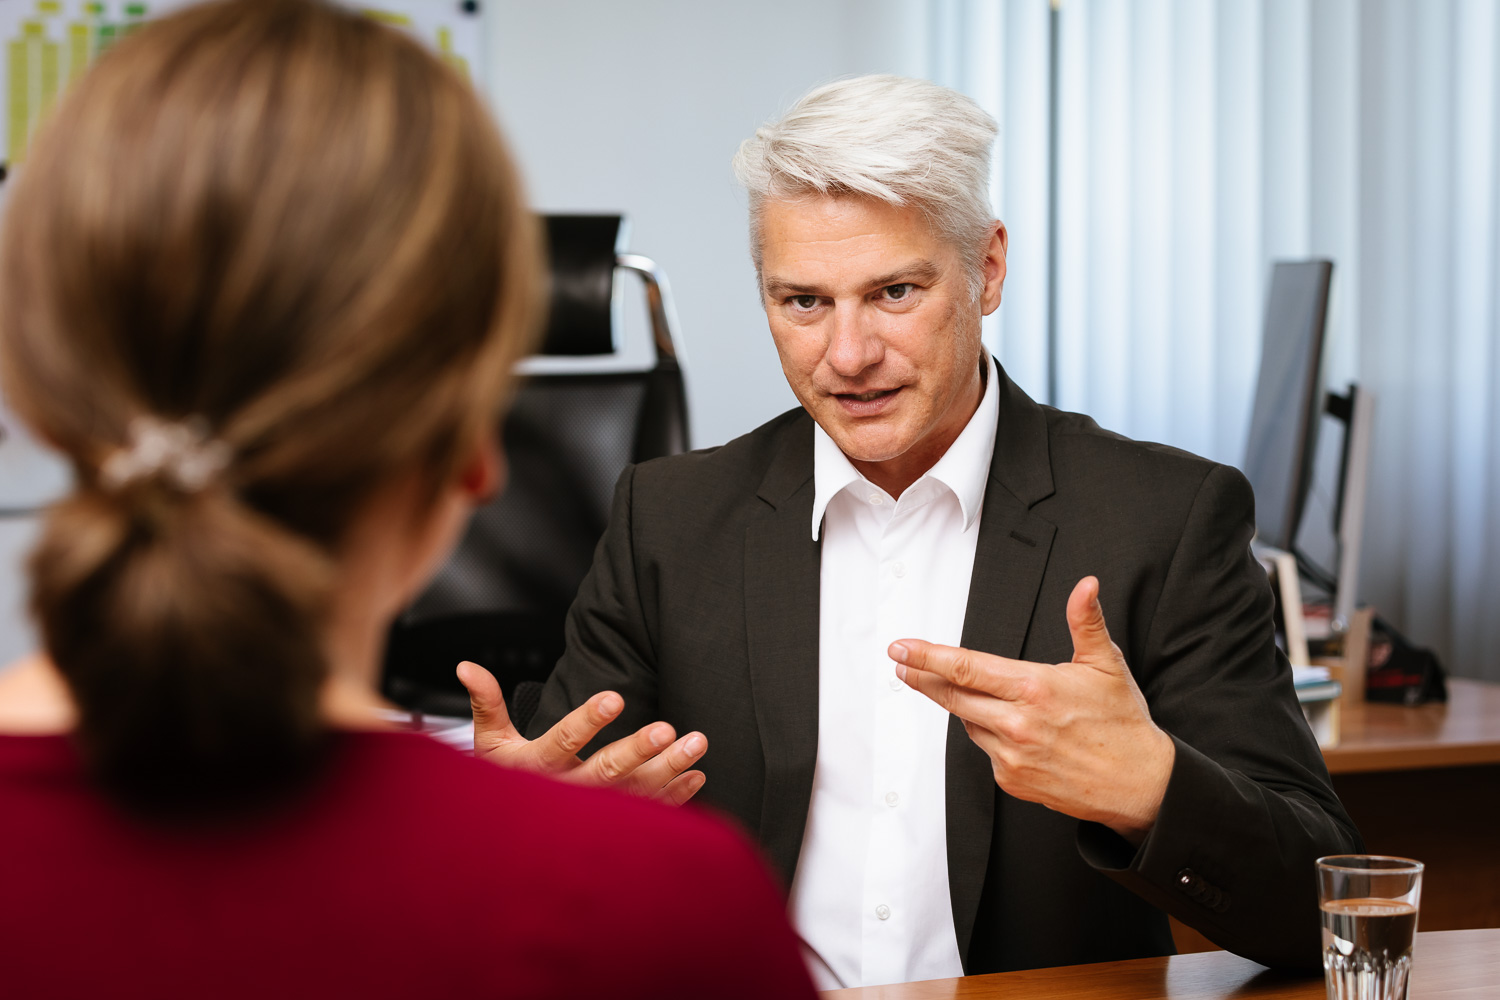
(502,597)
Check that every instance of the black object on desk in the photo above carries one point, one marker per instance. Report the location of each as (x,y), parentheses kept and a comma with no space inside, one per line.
(1401,672)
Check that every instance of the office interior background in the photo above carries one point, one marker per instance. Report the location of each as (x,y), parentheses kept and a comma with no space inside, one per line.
(1197,142)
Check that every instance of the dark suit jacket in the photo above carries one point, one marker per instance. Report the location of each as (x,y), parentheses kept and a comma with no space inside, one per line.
(702,609)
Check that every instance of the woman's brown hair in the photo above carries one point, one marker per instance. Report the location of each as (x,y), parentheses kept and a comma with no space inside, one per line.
(297,230)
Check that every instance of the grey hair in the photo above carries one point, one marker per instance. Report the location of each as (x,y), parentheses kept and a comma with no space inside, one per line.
(898,140)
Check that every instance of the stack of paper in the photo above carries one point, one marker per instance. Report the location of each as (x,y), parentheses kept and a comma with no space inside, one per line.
(1314,684)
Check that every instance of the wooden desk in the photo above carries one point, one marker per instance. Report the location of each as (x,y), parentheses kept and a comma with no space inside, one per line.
(1424,783)
(1464,731)
(1446,964)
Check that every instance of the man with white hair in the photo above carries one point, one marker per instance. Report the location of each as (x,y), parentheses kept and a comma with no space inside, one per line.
(886,609)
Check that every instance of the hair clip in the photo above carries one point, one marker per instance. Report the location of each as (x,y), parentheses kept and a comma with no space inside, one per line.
(185,453)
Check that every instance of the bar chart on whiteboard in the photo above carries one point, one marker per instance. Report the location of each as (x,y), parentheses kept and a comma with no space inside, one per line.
(48,44)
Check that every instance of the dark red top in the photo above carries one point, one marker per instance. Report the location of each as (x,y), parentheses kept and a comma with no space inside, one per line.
(409,870)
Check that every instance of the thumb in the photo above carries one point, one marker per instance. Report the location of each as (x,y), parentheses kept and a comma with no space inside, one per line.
(492,725)
(1091,642)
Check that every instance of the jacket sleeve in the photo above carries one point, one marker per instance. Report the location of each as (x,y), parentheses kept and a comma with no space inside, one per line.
(1249,806)
(607,642)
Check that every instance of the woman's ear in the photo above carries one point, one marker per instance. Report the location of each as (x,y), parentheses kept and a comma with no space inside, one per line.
(483,474)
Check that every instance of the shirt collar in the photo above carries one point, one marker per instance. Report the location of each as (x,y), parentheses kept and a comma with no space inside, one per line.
(832,471)
(964,467)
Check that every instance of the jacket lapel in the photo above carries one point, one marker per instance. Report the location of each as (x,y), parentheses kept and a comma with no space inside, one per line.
(782,587)
(1009,561)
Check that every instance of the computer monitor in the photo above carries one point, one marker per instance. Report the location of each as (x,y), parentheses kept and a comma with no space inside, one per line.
(1288,399)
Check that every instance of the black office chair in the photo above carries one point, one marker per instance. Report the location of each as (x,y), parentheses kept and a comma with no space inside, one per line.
(502,597)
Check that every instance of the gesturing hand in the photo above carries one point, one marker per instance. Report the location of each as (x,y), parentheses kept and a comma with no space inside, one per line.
(646,763)
(1076,737)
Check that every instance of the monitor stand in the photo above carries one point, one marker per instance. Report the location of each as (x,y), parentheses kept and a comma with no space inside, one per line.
(1356,410)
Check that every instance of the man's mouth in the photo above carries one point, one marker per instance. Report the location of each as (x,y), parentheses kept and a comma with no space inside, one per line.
(867,404)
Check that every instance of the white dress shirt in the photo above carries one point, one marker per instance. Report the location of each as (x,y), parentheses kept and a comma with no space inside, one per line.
(870,897)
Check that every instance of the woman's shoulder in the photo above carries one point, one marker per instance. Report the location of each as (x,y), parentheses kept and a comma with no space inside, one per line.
(423,853)
(552,858)
(426,778)
(603,840)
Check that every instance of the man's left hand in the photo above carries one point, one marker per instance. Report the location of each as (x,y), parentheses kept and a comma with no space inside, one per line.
(647,763)
(1076,737)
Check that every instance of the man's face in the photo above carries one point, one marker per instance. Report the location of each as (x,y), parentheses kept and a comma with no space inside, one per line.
(878,334)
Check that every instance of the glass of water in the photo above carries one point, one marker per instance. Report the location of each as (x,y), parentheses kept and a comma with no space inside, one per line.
(1369,905)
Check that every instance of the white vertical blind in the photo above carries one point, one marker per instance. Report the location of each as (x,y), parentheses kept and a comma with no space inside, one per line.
(1474,374)
(1200,140)
(964,42)
(1426,229)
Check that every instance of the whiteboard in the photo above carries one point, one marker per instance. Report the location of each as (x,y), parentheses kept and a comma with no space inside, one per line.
(47,44)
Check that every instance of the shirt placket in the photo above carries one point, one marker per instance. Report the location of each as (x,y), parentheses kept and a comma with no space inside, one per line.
(887,910)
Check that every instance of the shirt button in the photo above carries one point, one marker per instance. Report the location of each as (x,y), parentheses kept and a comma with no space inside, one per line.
(899,569)
(897,684)
(891,798)
(883,912)
(875,499)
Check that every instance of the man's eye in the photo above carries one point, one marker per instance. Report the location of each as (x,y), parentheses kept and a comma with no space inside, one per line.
(804,301)
(895,293)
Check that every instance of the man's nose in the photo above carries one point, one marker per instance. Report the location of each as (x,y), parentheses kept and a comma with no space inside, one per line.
(853,344)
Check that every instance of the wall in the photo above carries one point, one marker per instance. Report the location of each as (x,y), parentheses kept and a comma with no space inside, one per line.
(16,536)
(29,477)
(639,107)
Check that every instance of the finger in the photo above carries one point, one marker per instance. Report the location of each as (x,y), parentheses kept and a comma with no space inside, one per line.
(969,705)
(492,725)
(967,668)
(682,788)
(654,775)
(619,760)
(993,746)
(557,748)
(1008,765)
(1091,641)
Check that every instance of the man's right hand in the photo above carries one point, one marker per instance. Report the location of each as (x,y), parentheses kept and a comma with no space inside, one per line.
(649,763)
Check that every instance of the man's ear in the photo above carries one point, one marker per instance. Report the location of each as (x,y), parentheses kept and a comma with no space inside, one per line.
(482,475)
(994,268)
